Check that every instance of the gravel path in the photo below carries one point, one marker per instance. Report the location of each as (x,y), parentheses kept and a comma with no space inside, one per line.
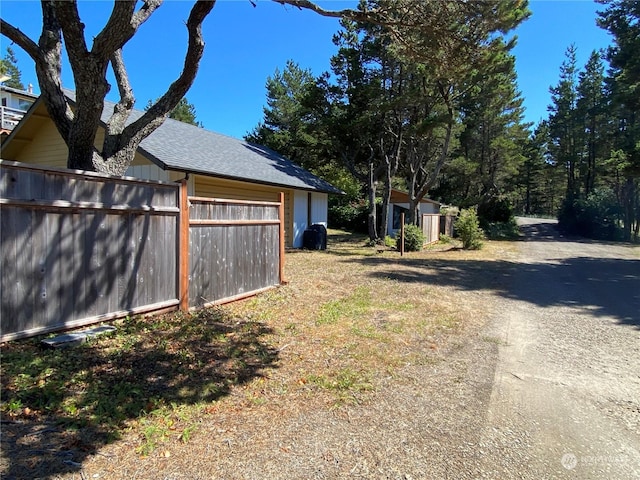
(566,397)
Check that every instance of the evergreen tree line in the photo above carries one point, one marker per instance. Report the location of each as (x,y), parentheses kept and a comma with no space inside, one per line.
(416,114)
(441,116)
(589,148)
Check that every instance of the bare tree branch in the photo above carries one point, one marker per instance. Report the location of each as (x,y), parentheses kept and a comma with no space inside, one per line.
(308,5)
(122,25)
(125,105)
(133,134)
(17,36)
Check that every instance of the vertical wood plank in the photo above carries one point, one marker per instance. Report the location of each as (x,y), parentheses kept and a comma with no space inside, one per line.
(183,247)
(281,241)
(8,274)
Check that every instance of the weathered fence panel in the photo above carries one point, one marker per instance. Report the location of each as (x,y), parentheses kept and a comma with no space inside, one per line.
(446,225)
(78,248)
(234,249)
(431,227)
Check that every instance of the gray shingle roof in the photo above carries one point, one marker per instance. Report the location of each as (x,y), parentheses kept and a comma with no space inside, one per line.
(183,147)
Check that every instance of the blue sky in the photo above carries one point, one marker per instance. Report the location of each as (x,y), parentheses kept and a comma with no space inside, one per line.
(246,44)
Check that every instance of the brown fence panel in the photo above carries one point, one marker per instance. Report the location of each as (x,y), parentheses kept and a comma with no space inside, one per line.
(446,225)
(234,249)
(78,248)
(431,227)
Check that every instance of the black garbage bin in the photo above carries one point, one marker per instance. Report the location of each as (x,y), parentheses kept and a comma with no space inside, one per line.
(315,237)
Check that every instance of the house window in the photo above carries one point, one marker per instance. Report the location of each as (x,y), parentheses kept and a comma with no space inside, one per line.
(397,211)
(24,104)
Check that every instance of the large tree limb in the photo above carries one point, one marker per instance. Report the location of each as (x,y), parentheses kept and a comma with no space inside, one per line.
(72,27)
(122,26)
(17,36)
(133,134)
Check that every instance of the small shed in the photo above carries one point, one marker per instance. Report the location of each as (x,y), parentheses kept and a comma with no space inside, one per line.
(400,203)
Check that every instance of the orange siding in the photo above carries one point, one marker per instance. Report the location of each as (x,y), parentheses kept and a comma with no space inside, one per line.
(236,190)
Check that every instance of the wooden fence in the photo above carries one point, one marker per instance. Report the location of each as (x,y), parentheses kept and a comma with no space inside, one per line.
(430,227)
(446,225)
(79,248)
(234,248)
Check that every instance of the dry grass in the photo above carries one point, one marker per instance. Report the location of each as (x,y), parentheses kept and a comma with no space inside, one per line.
(349,323)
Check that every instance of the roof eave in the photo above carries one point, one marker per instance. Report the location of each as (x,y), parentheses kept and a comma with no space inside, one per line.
(242,179)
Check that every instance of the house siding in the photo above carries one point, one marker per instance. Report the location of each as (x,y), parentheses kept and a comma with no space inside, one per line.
(148,172)
(319,208)
(300,219)
(48,151)
(236,190)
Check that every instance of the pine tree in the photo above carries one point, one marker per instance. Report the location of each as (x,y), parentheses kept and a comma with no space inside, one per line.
(494,137)
(184,112)
(563,122)
(621,19)
(9,67)
(591,111)
(287,115)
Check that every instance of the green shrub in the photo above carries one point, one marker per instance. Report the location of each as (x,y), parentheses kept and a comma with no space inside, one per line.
(494,210)
(502,230)
(468,228)
(445,239)
(597,216)
(389,242)
(413,238)
(350,216)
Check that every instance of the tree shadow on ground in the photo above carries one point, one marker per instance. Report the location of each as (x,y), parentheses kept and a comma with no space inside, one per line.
(548,231)
(595,286)
(61,405)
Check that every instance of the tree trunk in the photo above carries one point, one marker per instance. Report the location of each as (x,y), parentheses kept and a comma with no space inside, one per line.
(372,217)
(78,120)
(384,210)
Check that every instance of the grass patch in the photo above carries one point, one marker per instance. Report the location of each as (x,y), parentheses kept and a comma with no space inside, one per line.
(350,307)
(347,385)
(348,320)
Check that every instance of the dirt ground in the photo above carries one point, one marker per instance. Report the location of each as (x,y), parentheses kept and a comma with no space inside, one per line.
(519,361)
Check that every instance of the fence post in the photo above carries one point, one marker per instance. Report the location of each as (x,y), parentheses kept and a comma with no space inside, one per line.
(401,234)
(281,217)
(183,246)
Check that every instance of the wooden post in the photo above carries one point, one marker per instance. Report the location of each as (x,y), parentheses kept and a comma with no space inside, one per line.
(401,234)
(183,247)
(281,217)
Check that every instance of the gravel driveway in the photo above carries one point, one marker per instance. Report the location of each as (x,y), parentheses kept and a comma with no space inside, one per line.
(566,397)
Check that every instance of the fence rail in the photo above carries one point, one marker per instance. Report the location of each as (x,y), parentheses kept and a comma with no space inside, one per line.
(78,248)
